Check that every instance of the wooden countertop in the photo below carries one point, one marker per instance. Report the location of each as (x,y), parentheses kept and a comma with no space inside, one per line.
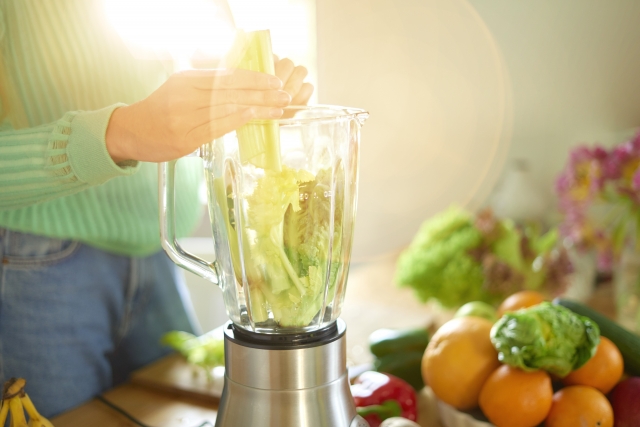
(154,408)
(170,393)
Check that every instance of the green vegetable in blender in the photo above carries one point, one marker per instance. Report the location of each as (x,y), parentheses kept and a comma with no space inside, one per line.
(274,194)
(258,141)
(290,245)
(545,336)
(290,213)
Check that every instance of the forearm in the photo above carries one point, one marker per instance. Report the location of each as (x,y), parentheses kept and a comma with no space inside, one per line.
(56,160)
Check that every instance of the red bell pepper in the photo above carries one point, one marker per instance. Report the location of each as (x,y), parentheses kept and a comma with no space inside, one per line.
(380,396)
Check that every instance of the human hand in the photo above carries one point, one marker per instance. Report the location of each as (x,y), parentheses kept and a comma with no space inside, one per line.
(194,107)
(293,77)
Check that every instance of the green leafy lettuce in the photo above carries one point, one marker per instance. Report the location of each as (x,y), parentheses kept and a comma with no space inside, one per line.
(547,337)
(438,265)
(289,223)
(458,256)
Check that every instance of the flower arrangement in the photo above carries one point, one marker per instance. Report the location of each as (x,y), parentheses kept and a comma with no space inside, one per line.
(599,197)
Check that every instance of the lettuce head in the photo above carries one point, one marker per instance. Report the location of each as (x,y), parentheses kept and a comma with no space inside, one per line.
(547,337)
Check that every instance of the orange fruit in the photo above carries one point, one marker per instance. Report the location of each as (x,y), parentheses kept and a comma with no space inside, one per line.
(512,397)
(602,371)
(458,360)
(522,299)
(580,405)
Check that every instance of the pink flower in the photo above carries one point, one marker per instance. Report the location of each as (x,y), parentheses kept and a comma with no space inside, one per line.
(636,180)
(592,177)
(584,175)
(619,157)
(622,169)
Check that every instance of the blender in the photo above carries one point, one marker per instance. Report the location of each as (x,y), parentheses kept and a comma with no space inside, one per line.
(282,201)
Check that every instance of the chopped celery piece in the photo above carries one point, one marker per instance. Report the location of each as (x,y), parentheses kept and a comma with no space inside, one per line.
(259,142)
(206,351)
(226,203)
(290,213)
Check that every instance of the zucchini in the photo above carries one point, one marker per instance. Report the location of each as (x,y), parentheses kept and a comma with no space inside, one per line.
(627,342)
(389,341)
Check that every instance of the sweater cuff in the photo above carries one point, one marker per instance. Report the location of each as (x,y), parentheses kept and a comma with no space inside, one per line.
(87,149)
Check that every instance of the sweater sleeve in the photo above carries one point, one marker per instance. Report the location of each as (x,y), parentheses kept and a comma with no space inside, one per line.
(58,159)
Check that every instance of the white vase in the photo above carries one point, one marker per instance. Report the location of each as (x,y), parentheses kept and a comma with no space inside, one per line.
(583,279)
(519,196)
(627,289)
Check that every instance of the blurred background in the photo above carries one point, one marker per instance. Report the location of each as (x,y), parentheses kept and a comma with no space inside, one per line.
(475,103)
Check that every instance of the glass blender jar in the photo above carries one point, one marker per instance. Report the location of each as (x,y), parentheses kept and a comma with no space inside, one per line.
(282,200)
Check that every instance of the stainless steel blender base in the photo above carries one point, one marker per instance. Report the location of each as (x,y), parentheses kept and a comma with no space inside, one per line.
(292,385)
(323,406)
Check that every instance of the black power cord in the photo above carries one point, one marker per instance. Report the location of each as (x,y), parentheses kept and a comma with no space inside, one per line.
(122,412)
(132,418)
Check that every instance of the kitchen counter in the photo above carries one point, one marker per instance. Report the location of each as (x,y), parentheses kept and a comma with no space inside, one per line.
(170,393)
(152,407)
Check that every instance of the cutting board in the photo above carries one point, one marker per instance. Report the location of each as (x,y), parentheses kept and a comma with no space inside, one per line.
(174,375)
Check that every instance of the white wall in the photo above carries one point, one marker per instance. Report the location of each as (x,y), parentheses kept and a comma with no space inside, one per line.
(574,67)
(455,86)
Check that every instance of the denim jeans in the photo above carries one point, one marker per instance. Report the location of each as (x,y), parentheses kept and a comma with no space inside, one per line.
(75,320)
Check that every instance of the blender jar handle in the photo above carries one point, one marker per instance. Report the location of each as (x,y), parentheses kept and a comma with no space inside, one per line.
(166,198)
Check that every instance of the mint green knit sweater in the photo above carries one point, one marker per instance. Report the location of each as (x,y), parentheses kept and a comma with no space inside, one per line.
(67,69)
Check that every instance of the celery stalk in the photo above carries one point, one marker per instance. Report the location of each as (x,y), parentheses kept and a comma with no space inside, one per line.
(259,142)
(258,306)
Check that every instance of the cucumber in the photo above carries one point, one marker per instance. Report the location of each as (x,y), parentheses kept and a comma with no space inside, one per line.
(406,366)
(389,341)
(627,342)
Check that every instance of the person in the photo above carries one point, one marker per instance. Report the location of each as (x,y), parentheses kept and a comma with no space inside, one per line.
(86,292)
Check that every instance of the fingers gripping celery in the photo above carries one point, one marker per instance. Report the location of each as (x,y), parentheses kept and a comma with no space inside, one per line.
(259,142)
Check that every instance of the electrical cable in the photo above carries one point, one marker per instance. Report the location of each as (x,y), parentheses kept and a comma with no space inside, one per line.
(122,412)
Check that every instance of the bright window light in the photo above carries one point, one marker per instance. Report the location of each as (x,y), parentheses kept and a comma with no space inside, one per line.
(292,24)
(183,29)
(288,21)
(174,29)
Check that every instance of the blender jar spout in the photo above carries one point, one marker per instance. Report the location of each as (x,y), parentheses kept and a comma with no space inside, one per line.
(362,117)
